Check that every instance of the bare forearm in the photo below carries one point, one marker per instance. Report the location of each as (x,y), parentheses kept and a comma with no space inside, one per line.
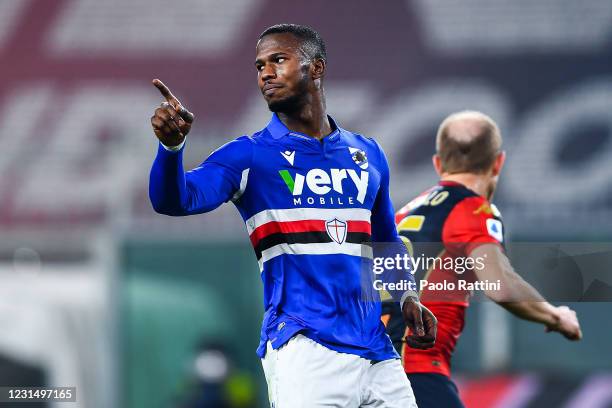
(538,312)
(515,294)
(522,299)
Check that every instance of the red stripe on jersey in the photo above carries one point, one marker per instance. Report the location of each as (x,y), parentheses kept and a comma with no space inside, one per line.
(359,226)
(274,227)
(400,215)
(287,227)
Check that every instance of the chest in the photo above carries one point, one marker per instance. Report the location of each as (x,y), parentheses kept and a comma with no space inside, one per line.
(338,177)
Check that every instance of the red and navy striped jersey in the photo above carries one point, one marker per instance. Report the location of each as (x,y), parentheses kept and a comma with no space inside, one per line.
(308,206)
(445,222)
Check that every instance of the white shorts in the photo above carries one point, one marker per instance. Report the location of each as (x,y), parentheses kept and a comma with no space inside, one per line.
(305,374)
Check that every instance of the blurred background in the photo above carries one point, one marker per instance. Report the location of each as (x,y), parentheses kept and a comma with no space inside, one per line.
(137,309)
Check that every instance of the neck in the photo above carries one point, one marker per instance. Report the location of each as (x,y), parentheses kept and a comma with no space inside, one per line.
(310,119)
(478,183)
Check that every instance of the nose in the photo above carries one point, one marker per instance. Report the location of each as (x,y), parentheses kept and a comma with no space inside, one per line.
(268,72)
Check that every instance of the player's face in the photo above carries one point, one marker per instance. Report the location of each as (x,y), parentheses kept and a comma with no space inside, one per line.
(282,72)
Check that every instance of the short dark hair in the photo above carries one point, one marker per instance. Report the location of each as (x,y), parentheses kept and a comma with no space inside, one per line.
(469,149)
(312,43)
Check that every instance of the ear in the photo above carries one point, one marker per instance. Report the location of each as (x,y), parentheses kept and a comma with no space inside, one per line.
(437,163)
(317,68)
(498,164)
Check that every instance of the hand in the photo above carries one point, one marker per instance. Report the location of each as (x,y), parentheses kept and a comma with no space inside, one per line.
(567,324)
(422,323)
(171,121)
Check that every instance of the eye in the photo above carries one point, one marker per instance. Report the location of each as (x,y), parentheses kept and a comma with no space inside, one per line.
(280,60)
(258,67)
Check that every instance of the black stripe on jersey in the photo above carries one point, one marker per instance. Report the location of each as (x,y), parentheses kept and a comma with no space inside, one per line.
(309,237)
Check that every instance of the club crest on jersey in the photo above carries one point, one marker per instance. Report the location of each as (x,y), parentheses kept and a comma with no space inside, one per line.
(359,157)
(336,230)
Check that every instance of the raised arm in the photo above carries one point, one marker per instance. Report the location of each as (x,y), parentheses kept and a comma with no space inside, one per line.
(220,178)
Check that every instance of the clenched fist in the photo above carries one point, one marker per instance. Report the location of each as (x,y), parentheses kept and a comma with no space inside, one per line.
(171,121)
(566,323)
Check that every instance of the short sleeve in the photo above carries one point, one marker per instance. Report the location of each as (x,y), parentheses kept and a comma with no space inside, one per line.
(472,222)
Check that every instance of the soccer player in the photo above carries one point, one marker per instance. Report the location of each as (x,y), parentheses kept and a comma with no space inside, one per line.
(310,194)
(455,220)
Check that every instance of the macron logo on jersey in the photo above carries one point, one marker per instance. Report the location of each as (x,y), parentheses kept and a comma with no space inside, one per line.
(289,155)
(321,182)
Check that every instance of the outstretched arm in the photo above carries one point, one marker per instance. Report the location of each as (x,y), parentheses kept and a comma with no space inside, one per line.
(519,297)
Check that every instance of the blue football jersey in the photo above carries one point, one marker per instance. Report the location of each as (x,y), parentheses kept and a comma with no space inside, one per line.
(308,206)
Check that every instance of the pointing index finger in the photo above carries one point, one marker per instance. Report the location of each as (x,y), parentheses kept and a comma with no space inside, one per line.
(173,101)
(164,91)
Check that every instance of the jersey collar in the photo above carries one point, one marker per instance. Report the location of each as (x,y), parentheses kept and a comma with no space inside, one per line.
(450,183)
(277,130)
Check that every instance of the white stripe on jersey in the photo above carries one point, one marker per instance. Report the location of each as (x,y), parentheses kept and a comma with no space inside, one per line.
(301,214)
(326,248)
(243,183)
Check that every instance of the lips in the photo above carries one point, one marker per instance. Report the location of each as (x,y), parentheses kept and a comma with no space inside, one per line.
(269,88)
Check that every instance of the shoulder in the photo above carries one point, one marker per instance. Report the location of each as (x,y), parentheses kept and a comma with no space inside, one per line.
(476,206)
(439,199)
(237,150)
(360,141)
(366,149)
(475,215)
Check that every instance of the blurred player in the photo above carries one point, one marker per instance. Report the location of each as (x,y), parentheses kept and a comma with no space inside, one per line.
(454,220)
(310,193)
